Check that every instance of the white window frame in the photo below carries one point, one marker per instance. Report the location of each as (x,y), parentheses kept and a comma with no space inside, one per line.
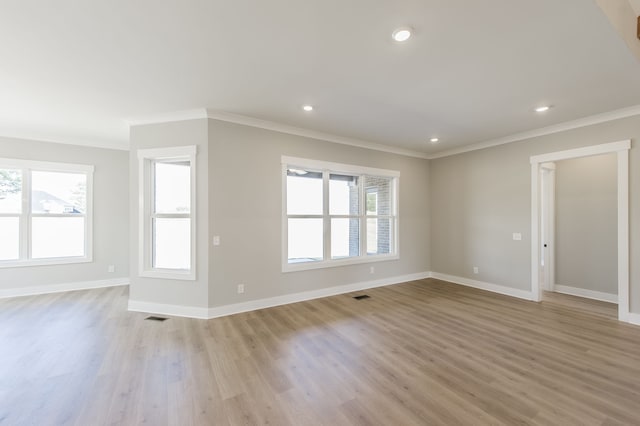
(328,168)
(26,167)
(146,159)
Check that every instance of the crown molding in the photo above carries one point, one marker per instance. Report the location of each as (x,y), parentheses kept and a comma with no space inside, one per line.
(556,128)
(169,117)
(36,136)
(208,113)
(307,133)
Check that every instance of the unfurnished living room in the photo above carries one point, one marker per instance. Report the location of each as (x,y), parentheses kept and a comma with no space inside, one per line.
(410,212)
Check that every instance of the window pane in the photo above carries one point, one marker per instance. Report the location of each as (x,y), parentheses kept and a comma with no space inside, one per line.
(56,192)
(343,194)
(304,192)
(345,238)
(305,240)
(10,191)
(379,236)
(57,237)
(378,192)
(172,243)
(9,238)
(172,187)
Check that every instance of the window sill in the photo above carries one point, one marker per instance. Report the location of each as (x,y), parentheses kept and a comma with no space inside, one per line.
(168,274)
(305,266)
(44,262)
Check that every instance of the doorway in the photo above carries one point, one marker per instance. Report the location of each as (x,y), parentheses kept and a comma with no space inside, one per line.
(540,277)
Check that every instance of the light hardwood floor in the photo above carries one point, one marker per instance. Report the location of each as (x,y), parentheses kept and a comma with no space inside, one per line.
(425,352)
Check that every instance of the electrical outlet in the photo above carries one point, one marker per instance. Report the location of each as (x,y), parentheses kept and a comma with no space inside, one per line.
(476,270)
(216,240)
(240,288)
(517,236)
(372,270)
(111,268)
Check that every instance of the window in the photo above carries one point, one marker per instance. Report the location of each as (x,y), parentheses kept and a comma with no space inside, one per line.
(45,213)
(336,214)
(167,216)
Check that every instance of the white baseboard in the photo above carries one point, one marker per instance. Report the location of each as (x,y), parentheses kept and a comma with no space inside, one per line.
(633,318)
(252,305)
(495,288)
(172,310)
(589,294)
(220,311)
(58,288)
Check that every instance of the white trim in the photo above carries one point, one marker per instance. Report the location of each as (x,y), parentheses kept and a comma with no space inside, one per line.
(587,294)
(634,319)
(59,288)
(26,215)
(115,143)
(327,168)
(307,133)
(164,309)
(494,288)
(585,151)
(622,150)
(320,165)
(548,188)
(45,262)
(170,117)
(174,152)
(145,157)
(535,233)
(220,311)
(196,114)
(236,308)
(46,166)
(623,234)
(213,114)
(332,263)
(557,128)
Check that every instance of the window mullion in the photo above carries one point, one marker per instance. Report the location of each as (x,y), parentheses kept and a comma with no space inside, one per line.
(25,217)
(362,211)
(326,220)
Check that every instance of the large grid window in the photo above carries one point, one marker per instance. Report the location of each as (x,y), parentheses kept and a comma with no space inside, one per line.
(167,224)
(336,214)
(45,213)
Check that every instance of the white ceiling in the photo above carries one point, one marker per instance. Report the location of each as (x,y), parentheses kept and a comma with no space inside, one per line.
(473,71)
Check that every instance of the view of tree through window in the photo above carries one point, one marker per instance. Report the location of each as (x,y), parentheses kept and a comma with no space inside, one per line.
(53,223)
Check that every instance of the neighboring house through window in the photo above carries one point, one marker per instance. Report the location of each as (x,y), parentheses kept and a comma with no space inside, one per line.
(337,214)
(45,213)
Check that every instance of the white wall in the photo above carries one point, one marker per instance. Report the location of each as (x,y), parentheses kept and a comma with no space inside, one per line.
(479,198)
(110,221)
(587,223)
(246,207)
(165,291)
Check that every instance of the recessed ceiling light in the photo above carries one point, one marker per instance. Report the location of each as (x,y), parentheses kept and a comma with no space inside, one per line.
(434,140)
(401,34)
(543,108)
(308,108)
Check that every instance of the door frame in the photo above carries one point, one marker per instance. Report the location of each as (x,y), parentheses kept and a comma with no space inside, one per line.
(548,232)
(621,148)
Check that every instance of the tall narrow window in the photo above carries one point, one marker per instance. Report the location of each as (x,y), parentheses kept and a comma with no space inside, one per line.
(337,214)
(167,226)
(45,213)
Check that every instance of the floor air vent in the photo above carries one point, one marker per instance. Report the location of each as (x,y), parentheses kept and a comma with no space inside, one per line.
(152,318)
(362,296)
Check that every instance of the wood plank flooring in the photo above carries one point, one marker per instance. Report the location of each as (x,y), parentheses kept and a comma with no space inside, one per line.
(420,353)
